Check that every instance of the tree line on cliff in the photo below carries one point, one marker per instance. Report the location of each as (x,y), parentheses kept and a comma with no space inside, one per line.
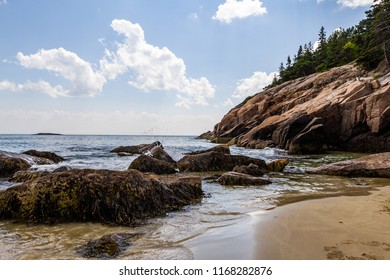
(367,43)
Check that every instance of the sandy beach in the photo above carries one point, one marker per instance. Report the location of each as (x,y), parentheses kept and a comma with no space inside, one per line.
(331,228)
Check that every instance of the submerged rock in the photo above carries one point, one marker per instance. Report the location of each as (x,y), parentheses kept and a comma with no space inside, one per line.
(216,161)
(146,163)
(11,163)
(47,155)
(376,165)
(111,197)
(240,179)
(108,247)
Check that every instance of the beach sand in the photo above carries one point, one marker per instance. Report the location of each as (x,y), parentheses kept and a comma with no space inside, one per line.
(355,227)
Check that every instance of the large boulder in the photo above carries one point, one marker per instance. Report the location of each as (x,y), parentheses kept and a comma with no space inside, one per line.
(216,161)
(111,197)
(146,163)
(240,179)
(46,155)
(376,165)
(11,163)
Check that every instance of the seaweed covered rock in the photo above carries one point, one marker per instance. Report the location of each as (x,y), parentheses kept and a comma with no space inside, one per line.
(11,163)
(277,165)
(107,247)
(23,176)
(240,179)
(216,161)
(376,165)
(111,197)
(146,163)
(47,155)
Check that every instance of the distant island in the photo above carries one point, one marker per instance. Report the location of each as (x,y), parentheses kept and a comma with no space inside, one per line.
(45,133)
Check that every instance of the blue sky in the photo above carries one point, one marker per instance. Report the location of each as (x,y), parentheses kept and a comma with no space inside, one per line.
(147,66)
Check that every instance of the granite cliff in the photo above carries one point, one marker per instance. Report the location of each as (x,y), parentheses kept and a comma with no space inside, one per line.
(345,108)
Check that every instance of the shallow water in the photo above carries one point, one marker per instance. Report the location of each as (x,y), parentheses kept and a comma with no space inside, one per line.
(165,237)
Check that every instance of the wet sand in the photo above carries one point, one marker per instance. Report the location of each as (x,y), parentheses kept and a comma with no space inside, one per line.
(355,227)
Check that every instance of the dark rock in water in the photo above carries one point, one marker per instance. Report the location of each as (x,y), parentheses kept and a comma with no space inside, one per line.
(62,169)
(215,161)
(146,163)
(376,165)
(159,153)
(47,155)
(108,247)
(277,165)
(251,169)
(11,163)
(137,149)
(220,148)
(111,197)
(240,179)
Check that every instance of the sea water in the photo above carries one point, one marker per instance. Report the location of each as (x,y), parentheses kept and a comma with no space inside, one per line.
(163,237)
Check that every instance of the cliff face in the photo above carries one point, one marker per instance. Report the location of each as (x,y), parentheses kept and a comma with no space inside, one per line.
(339,109)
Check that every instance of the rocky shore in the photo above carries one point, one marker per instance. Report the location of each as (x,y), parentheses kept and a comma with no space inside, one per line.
(344,108)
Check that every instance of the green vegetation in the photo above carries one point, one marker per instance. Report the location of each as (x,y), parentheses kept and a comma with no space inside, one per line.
(367,43)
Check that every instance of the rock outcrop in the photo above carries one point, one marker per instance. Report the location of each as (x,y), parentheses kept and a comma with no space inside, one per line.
(11,163)
(376,165)
(111,197)
(331,110)
(216,161)
(220,148)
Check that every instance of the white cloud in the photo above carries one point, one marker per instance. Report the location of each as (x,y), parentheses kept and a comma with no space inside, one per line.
(41,86)
(254,84)
(84,80)
(3,2)
(154,68)
(355,3)
(233,9)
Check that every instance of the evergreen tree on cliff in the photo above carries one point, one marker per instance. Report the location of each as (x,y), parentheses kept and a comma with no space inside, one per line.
(380,27)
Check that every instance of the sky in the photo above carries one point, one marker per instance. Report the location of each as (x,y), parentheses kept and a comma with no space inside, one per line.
(147,67)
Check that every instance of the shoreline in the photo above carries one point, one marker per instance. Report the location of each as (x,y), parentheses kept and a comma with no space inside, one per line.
(335,228)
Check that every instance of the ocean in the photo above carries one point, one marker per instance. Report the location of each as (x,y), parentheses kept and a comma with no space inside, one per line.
(163,237)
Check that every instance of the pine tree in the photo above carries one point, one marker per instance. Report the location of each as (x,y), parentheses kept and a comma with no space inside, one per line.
(381,26)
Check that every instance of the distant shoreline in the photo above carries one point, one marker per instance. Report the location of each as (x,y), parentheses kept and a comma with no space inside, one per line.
(46,133)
